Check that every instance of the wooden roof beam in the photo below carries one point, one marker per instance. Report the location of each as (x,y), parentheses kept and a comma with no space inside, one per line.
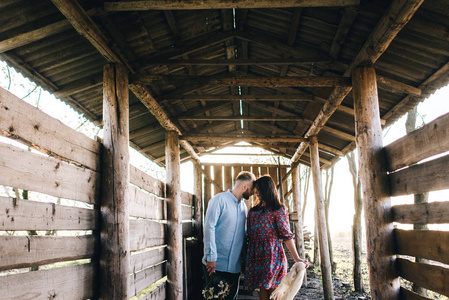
(241,138)
(237,62)
(219,4)
(394,19)
(259,97)
(347,19)
(238,118)
(243,81)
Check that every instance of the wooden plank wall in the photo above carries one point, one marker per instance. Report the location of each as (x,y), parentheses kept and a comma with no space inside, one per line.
(408,175)
(226,173)
(70,170)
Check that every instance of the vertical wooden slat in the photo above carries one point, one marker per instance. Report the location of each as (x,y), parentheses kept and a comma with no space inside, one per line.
(218,178)
(384,283)
(237,170)
(299,235)
(114,256)
(174,220)
(198,200)
(256,171)
(207,188)
(273,171)
(227,177)
(326,269)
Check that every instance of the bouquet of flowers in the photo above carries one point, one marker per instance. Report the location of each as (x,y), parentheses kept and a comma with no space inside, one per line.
(217,288)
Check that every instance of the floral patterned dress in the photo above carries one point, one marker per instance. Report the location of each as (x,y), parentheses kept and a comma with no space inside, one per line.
(266,263)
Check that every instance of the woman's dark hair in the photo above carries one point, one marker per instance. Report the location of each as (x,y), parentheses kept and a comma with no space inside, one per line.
(268,196)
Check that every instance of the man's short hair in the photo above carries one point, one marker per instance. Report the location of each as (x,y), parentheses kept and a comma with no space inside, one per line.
(244,176)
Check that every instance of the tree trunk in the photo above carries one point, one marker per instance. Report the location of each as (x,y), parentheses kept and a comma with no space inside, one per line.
(357,225)
(410,125)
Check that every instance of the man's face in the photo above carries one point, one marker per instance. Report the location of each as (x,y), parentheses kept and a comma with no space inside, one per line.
(249,190)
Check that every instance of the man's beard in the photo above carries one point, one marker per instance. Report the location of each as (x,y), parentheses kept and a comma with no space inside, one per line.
(246,194)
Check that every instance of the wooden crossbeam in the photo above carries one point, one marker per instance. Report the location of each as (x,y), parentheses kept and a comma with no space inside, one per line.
(219,4)
(394,19)
(241,138)
(239,62)
(205,97)
(243,81)
(238,118)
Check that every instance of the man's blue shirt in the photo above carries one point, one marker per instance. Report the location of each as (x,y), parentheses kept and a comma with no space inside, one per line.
(224,232)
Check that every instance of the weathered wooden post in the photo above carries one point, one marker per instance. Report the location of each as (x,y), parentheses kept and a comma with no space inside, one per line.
(198,203)
(207,188)
(384,282)
(326,269)
(174,218)
(114,253)
(299,238)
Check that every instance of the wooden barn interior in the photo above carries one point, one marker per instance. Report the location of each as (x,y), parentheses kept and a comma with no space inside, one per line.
(310,80)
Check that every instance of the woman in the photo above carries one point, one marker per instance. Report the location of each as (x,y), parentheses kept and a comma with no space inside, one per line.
(268,227)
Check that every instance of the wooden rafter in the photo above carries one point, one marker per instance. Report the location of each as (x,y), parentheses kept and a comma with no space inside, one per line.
(241,138)
(394,19)
(343,28)
(243,81)
(254,97)
(238,62)
(218,4)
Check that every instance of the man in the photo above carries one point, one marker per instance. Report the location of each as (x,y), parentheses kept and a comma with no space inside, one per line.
(224,233)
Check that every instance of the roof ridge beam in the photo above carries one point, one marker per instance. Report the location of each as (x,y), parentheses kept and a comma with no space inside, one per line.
(219,4)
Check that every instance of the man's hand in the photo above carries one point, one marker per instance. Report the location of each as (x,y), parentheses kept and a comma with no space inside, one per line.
(210,267)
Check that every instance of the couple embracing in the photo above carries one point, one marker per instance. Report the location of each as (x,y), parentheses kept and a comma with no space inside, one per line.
(228,229)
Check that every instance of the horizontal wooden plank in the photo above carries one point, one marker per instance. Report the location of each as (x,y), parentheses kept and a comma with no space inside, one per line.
(187,229)
(145,205)
(430,277)
(146,182)
(187,212)
(74,282)
(421,178)
(28,251)
(33,172)
(158,293)
(429,140)
(430,244)
(32,215)
(405,294)
(142,260)
(186,198)
(423,213)
(145,233)
(143,279)
(25,122)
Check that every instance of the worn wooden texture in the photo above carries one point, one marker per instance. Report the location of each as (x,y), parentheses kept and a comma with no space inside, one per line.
(146,182)
(325,262)
(255,97)
(424,213)
(28,251)
(430,244)
(157,294)
(409,295)
(145,205)
(218,178)
(31,215)
(115,233)
(198,202)
(223,138)
(424,275)
(145,259)
(227,171)
(36,129)
(145,233)
(187,212)
(429,140)
(74,282)
(186,198)
(421,178)
(297,207)
(273,82)
(143,279)
(33,172)
(207,187)
(174,217)
(384,283)
(216,4)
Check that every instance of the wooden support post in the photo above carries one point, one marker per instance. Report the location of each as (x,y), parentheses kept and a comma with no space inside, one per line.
(326,269)
(299,235)
(207,188)
(384,282)
(218,178)
(174,228)
(198,203)
(114,253)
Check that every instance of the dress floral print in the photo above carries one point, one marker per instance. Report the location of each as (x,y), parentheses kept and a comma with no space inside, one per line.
(266,263)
